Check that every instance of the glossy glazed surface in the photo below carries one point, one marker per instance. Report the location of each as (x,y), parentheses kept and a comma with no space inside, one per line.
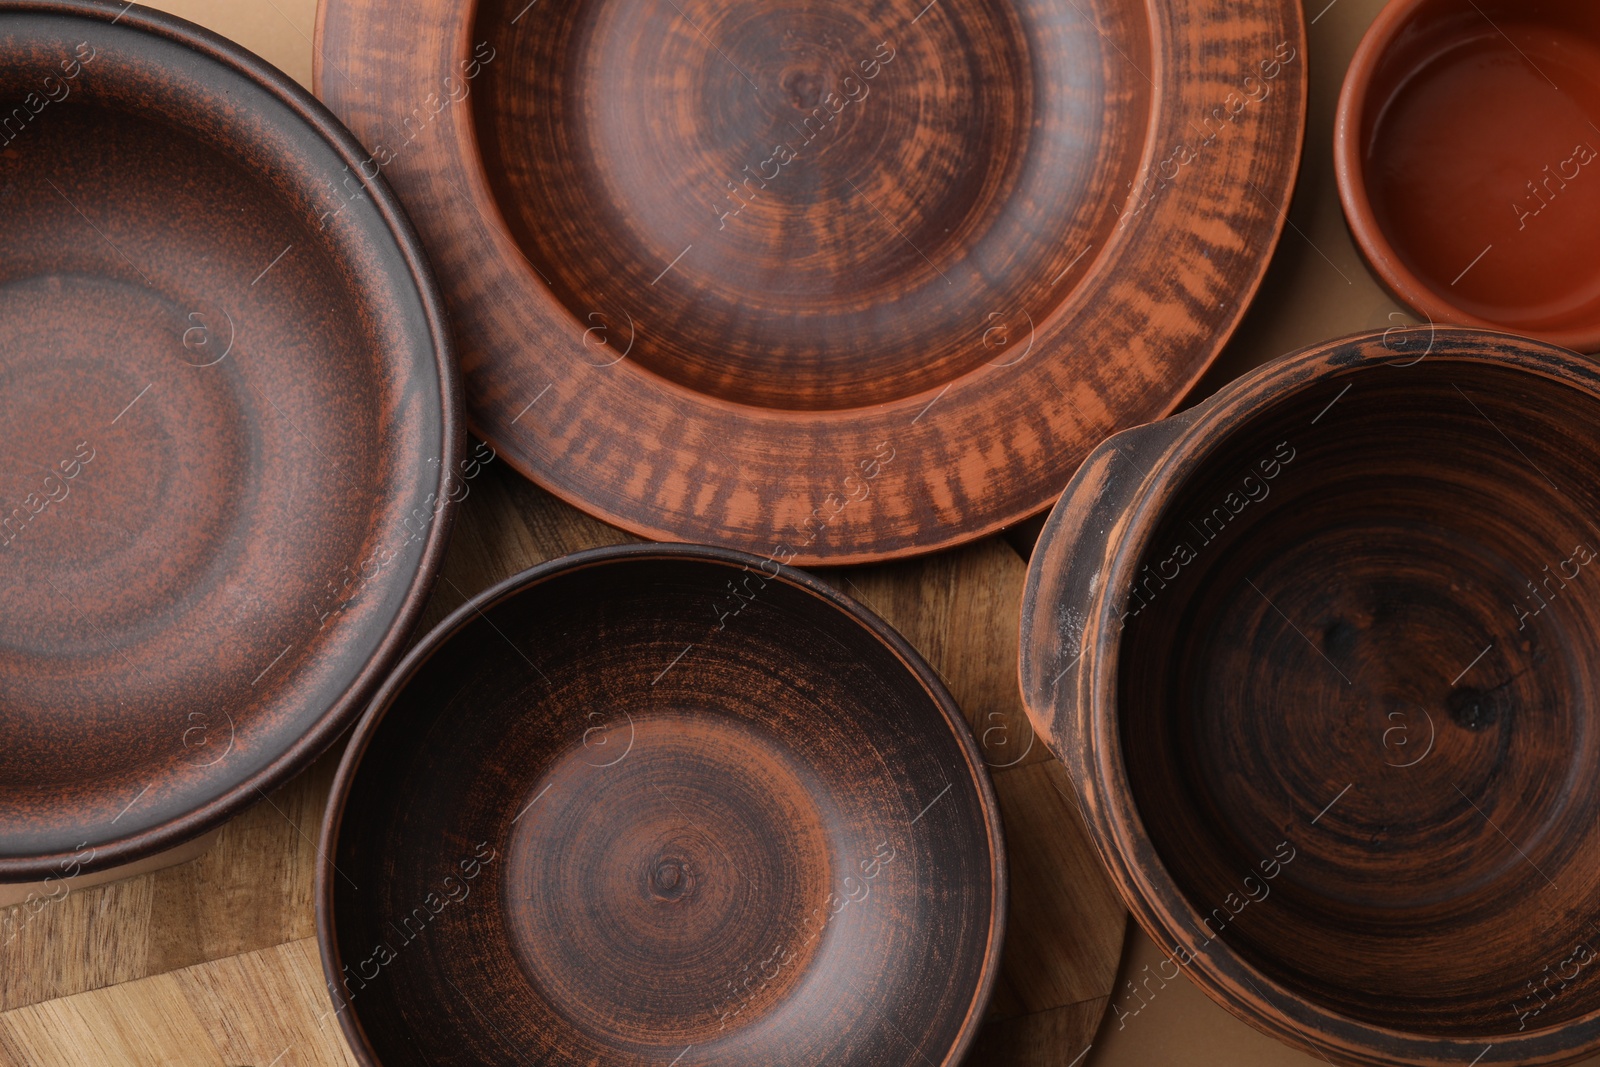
(1331,719)
(221,398)
(601,813)
(711,263)
(1467,143)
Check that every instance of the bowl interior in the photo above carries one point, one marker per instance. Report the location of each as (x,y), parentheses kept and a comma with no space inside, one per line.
(596,823)
(1481,159)
(1355,693)
(830,206)
(217,411)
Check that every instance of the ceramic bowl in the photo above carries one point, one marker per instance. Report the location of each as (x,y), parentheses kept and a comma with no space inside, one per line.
(229,433)
(1320,657)
(1468,162)
(659,804)
(822,280)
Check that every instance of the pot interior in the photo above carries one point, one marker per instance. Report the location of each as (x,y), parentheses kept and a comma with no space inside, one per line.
(1354,691)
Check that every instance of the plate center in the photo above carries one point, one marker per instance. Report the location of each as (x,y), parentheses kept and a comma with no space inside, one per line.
(811,205)
(680,890)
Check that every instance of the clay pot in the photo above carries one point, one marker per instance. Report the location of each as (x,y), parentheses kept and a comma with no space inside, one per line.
(661,804)
(230,430)
(1320,657)
(1468,162)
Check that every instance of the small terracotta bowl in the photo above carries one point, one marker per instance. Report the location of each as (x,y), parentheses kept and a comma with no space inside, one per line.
(1320,655)
(659,804)
(1468,161)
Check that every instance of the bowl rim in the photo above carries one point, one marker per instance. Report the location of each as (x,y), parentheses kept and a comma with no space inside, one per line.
(239,62)
(1350,178)
(624,554)
(1095,755)
(750,436)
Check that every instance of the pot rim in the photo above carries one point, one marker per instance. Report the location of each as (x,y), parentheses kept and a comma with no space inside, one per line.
(1097,763)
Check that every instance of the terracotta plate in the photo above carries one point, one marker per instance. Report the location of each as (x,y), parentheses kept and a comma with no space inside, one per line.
(825,280)
(226,424)
(610,812)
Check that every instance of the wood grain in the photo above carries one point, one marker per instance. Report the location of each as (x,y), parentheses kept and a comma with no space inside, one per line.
(266,1008)
(984,305)
(960,610)
(1066,923)
(250,890)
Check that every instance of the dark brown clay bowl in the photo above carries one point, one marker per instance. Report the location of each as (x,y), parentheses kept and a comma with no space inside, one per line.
(661,804)
(1321,657)
(228,433)
(822,279)
(1468,161)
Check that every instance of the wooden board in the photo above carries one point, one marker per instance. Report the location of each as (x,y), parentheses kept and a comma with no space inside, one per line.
(175,955)
(1066,927)
(262,1008)
(250,890)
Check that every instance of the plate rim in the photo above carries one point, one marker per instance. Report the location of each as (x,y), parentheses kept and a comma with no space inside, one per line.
(432,175)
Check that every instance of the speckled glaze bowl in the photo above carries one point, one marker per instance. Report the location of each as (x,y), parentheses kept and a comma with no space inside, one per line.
(229,435)
(1320,657)
(661,804)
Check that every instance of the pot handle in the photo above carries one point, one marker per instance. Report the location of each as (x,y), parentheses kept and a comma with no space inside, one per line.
(1063,583)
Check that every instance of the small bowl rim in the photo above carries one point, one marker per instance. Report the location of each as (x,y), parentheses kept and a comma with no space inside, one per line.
(320,734)
(424,650)
(1371,241)
(1100,770)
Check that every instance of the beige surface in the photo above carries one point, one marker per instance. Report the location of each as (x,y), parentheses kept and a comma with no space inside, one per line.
(278,31)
